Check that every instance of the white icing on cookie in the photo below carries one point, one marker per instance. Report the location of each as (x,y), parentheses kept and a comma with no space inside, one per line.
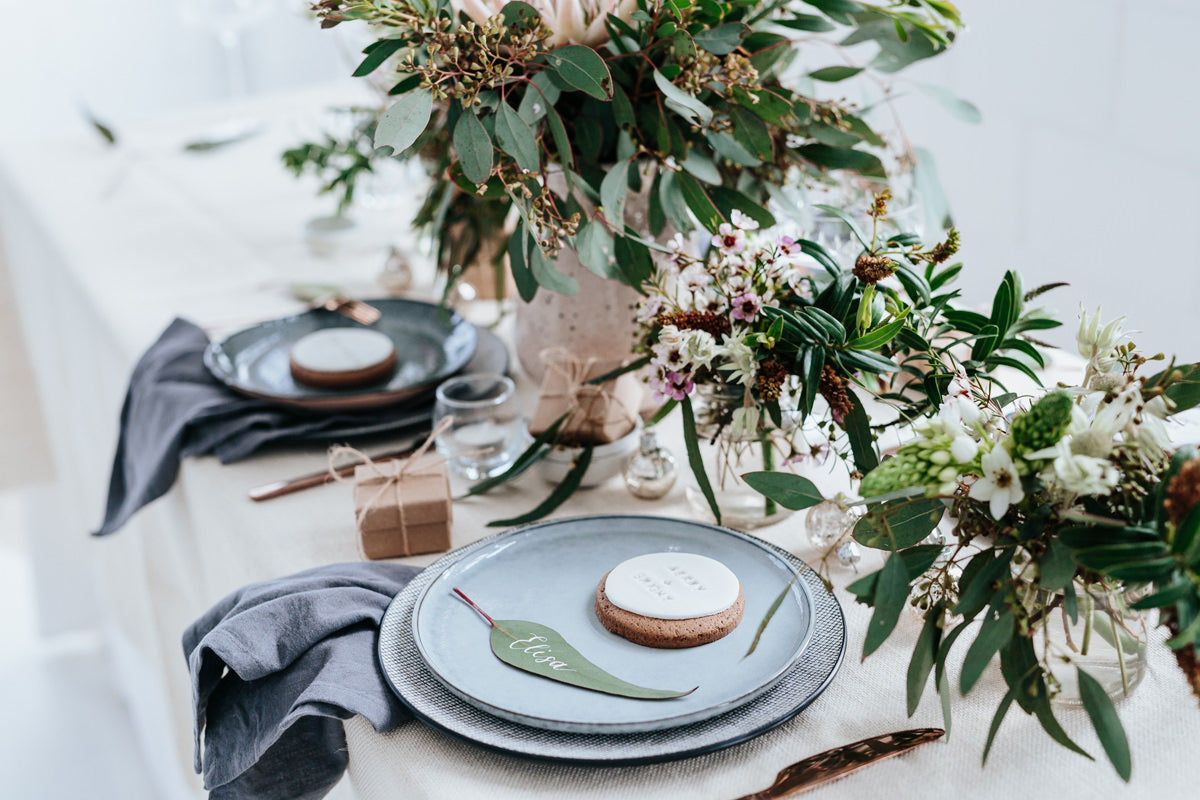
(672,586)
(342,350)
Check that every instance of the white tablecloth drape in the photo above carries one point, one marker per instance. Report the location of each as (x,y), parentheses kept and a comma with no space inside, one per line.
(106,246)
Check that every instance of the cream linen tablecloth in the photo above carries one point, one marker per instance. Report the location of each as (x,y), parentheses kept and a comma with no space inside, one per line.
(106,246)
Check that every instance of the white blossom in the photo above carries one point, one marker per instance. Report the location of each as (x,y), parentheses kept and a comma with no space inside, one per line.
(737,358)
(1098,344)
(1000,486)
(1079,473)
(670,336)
(743,221)
(699,348)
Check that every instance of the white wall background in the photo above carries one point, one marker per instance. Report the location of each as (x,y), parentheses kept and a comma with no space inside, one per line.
(1085,168)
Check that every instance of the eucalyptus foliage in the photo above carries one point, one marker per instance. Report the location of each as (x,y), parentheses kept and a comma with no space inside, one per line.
(695,102)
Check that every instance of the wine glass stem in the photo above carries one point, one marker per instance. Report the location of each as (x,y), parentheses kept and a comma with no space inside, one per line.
(235,62)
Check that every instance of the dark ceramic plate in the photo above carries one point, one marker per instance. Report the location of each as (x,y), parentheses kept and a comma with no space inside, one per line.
(432,344)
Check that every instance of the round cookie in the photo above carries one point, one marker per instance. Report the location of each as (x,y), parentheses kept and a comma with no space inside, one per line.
(342,358)
(670,600)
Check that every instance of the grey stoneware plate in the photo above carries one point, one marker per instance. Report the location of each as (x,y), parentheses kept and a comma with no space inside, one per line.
(432,344)
(743,707)
(491,355)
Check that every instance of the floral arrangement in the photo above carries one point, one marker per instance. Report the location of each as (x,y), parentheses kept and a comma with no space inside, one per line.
(1067,510)
(774,323)
(558,109)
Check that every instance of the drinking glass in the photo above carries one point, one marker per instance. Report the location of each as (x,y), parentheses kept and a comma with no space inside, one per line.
(487,433)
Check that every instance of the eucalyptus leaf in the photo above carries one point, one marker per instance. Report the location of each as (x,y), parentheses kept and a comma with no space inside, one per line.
(794,492)
(1106,722)
(692,442)
(834,74)
(516,138)
(891,595)
(721,40)
(401,124)
(582,68)
(613,190)
(924,654)
(899,524)
(683,103)
(766,620)
(993,635)
(559,496)
(698,202)
(474,147)
(542,651)
(960,108)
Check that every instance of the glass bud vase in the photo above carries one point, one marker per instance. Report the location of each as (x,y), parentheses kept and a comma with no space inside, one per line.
(727,457)
(1107,639)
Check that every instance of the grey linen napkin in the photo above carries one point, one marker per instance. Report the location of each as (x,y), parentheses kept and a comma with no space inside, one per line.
(276,666)
(175,408)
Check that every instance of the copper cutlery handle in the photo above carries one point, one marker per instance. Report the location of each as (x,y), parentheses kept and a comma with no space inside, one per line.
(269,491)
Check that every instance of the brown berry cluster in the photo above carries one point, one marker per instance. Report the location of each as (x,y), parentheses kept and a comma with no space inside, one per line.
(770,378)
(715,324)
(871,269)
(832,387)
(880,207)
(940,252)
(1183,492)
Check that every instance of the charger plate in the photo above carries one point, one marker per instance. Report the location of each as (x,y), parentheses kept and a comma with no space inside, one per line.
(756,712)
(432,343)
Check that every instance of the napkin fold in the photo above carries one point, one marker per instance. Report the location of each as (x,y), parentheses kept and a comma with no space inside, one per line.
(175,408)
(276,666)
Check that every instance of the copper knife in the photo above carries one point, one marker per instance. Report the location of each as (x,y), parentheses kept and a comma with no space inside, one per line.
(269,491)
(841,761)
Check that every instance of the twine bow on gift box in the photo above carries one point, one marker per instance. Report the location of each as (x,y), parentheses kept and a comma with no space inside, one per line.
(594,413)
(390,480)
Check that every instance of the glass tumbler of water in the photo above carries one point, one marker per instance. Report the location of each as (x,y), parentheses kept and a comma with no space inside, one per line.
(487,433)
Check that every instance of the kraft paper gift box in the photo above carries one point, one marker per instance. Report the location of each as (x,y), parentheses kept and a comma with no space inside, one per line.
(598,414)
(403,509)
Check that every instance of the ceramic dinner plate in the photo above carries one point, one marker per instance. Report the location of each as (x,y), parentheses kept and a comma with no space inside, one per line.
(432,343)
(549,575)
(431,702)
(491,355)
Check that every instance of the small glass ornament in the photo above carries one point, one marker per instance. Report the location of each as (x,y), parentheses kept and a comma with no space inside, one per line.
(826,522)
(396,277)
(849,553)
(651,472)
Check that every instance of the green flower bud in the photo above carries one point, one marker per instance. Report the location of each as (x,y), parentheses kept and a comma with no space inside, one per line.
(1042,425)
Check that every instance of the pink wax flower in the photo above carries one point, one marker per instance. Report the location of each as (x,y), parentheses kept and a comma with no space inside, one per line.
(729,239)
(746,306)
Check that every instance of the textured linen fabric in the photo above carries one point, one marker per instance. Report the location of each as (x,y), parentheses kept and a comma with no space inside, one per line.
(175,409)
(276,666)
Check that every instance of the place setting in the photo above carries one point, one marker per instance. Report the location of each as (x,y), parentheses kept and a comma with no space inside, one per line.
(320,376)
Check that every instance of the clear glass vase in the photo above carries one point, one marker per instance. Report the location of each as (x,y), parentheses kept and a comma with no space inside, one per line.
(1107,639)
(727,457)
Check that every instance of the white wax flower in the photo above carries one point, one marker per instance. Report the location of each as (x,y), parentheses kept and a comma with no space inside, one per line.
(569,21)
(1081,474)
(1000,486)
(737,357)
(1098,344)
(670,336)
(699,348)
